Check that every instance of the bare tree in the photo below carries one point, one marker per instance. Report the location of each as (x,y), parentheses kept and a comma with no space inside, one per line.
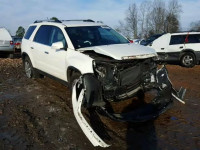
(144,19)
(124,29)
(195,26)
(172,18)
(132,19)
(174,7)
(158,15)
(151,17)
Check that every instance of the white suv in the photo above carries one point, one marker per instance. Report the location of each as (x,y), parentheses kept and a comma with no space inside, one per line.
(183,48)
(100,65)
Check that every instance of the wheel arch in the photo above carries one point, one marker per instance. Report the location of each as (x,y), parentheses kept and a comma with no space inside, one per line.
(70,71)
(24,54)
(187,51)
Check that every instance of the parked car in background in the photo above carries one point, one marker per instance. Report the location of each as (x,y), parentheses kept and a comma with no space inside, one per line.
(17,44)
(6,43)
(136,41)
(182,48)
(149,40)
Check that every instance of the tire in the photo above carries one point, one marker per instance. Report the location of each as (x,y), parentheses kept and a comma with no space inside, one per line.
(188,60)
(29,70)
(11,56)
(75,76)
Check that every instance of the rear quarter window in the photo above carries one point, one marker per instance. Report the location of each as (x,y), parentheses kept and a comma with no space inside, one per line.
(29,32)
(194,38)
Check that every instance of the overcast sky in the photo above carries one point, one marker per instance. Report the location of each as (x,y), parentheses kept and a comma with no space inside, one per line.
(15,13)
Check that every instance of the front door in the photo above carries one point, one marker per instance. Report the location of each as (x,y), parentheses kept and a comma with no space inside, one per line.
(56,57)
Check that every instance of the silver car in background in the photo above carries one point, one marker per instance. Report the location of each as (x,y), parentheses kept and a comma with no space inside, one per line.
(6,43)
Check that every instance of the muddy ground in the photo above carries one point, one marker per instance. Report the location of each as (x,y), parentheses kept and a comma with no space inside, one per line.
(37,114)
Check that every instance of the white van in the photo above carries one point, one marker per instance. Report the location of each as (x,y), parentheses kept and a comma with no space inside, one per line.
(183,48)
(6,43)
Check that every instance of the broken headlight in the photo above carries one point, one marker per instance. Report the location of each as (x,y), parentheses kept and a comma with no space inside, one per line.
(100,69)
(105,71)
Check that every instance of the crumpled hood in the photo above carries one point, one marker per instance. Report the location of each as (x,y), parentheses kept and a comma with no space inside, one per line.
(123,51)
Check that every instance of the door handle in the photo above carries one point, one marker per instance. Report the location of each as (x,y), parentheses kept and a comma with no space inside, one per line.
(181,47)
(162,48)
(46,52)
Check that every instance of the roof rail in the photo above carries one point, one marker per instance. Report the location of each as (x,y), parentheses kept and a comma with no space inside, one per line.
(186,31)
(87,20)
(38,21)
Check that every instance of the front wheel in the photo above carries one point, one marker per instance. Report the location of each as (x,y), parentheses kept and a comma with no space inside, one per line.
(188,60)
(75,76)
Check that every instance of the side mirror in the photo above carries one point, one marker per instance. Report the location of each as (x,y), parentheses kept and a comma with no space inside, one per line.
(57,45)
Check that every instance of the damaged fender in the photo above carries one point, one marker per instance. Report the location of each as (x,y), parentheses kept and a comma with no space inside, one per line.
(93,92)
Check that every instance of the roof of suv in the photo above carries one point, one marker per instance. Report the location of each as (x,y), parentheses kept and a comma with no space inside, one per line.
(183,33)
(70,23)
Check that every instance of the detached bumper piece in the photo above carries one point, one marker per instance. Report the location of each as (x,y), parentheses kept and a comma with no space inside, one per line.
(77,100)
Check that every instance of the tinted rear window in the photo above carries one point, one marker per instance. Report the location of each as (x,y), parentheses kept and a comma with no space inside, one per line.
(195,38)
(177,39)
(29,32)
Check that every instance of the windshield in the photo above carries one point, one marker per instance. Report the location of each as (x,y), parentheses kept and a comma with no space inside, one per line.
(88,36)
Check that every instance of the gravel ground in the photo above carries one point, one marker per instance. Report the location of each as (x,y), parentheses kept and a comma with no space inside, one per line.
(37,114)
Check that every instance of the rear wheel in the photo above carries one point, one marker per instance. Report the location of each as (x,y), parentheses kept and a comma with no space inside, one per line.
(188,60)
(11,56)
(29,70)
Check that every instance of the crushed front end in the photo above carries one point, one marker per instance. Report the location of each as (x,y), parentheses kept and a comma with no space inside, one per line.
(122,80)
(115,81)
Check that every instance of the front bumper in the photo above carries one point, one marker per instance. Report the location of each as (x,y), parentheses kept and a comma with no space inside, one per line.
(6,49)
(149,111)
(87,94)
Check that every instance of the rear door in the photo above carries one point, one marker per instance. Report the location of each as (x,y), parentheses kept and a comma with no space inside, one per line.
(177,44)
(27,44)
(41,46)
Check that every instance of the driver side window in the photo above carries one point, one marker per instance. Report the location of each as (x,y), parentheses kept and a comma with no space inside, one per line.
(58,36)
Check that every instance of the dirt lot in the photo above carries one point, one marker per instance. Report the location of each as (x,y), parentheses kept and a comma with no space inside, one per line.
(37,114)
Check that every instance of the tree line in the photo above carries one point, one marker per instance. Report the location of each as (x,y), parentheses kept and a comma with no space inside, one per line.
(151,17)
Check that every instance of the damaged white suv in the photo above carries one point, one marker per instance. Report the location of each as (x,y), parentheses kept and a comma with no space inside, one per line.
(101,66)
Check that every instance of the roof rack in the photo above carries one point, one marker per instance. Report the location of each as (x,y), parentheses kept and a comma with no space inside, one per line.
(60,21)
(186,31)
(38,21)
(86,20)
